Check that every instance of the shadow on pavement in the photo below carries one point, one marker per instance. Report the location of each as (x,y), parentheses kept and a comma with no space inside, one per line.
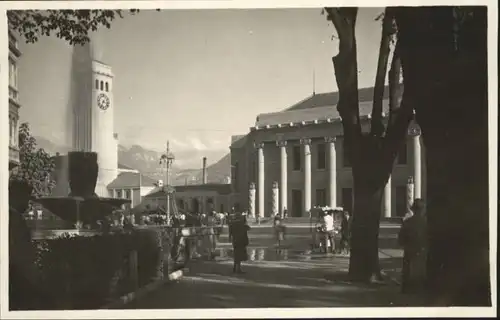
(283,284)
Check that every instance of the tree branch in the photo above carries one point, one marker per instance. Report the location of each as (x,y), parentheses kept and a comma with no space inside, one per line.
(394,84)
(400,114)
(73,26)
(377,126)
(346,70)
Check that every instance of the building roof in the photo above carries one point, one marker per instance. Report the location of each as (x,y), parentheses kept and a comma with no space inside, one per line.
(238,141)
(312,114)
(122,166)
(332,98)
(321,106)
(220,188)
(131,180)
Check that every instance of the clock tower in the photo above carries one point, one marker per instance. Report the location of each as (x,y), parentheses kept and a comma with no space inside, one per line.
(93,113)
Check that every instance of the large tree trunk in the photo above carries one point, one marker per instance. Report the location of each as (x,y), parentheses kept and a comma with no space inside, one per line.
(446,79)
(372,155)
(369,181)
(363,262)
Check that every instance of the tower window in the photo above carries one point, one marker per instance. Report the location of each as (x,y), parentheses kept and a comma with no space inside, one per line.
(102,85)
(97,84)
(107,87)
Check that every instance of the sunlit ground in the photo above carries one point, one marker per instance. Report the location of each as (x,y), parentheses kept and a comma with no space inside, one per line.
(279,279)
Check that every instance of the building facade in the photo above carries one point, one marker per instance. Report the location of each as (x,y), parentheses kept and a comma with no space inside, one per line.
(199,198)
(14,105)
(294,160)
(130,184)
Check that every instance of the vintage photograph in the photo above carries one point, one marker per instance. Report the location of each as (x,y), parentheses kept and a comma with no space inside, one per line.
(323,157)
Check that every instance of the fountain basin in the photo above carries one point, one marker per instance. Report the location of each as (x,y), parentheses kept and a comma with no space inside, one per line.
(86,210)
(44,234)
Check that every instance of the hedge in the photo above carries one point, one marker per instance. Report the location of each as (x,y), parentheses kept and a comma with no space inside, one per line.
(82,272)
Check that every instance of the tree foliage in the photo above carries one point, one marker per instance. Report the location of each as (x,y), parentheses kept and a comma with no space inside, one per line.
(73,26)
(36,165)
(441,53)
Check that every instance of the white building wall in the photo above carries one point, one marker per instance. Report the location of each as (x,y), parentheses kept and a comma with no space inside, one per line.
(103,137)
(93,127)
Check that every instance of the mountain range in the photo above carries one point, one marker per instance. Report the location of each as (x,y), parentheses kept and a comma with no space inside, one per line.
(186,169)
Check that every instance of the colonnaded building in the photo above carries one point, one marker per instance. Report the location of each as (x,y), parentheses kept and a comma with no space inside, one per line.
(294,160)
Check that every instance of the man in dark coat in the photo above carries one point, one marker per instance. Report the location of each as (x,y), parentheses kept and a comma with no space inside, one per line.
(413,238)
(240,241)
(345,232)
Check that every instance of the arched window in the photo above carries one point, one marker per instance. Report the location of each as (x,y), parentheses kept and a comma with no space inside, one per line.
(97,84)
(107,87)
(102,85)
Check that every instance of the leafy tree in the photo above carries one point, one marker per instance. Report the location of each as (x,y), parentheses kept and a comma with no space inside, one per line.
(73,26)
(442,54)
(36,165)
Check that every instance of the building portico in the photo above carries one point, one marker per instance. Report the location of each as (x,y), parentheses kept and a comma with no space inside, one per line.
(305,162)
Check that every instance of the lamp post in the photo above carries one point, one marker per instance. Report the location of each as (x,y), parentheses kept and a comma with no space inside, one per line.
(167,159)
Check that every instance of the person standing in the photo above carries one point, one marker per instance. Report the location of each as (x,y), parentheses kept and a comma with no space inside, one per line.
(240,241)
(329,228)
(413,238)
(210,237)
(278,229)
(345,233)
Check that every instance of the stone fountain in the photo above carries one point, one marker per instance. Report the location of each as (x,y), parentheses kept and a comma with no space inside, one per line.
(81,207)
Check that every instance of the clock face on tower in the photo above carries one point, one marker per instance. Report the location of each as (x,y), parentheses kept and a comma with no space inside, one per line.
(103,101)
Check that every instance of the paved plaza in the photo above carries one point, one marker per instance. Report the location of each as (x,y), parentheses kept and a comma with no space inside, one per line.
(278,278)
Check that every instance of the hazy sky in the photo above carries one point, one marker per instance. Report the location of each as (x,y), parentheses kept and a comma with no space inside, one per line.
(195,77)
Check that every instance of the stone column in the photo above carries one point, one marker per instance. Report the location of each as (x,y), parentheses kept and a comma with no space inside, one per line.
(387,203)
(275,198)
(251,200)
(332,171)
(16,131)
(307,175)
(260,181)
(11,131)
(283,176)
(410,193)
(417,161)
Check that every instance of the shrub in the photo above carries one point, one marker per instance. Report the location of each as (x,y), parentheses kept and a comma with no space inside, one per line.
(88,272)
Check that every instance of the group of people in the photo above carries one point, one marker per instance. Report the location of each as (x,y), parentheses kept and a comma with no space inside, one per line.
(330,228)
(204,230)
(194,230)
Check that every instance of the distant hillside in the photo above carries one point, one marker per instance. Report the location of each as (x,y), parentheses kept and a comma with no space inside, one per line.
(186,167)
(216,173)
